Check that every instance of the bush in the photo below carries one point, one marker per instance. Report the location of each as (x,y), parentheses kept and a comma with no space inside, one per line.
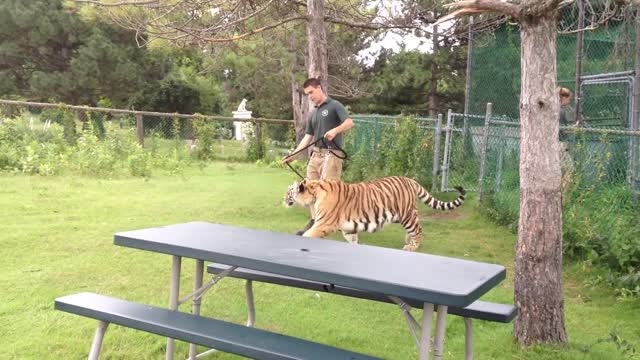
(256,145)
(37,145)
(601,218)
(400,149)
(28,146)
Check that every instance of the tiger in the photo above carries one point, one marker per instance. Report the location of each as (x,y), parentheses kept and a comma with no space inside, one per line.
(366,206)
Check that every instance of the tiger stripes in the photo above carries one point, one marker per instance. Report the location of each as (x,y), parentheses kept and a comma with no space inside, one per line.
(366,206)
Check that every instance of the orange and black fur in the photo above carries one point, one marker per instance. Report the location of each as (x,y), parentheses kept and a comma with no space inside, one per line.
(366,206)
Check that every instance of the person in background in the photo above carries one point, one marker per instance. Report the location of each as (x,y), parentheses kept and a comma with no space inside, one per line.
(566,118)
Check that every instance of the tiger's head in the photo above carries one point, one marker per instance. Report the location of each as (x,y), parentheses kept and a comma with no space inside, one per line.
(300,192)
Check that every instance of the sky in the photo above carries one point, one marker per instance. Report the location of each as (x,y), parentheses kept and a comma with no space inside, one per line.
(394,41)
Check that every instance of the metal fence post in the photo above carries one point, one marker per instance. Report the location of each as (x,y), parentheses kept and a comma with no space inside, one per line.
(483,150)
(436,153)
(140,129)
(447,145)
(635,115)
(499,166)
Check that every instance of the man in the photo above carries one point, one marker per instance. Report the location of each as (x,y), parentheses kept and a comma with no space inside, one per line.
(566,111)
(328,120)
(566,119)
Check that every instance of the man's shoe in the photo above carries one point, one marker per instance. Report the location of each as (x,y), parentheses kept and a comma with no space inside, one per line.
(309,225)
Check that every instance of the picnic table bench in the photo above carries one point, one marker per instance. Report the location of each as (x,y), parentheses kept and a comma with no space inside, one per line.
(480,310)
(221,335)
(419,280)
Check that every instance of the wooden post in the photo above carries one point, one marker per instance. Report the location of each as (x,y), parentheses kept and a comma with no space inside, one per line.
(259,140)
(140,129)
(467,83)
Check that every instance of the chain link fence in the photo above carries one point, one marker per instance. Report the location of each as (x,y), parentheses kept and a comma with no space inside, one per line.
(494,63)
(381,145)
(201,136)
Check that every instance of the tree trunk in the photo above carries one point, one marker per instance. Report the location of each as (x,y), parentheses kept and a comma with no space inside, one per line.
(300,110)
(433,100)
(300,102)
(538,265)
(317,42)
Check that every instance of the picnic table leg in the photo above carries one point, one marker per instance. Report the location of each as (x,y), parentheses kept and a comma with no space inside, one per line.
(195,308)
(440,330)
(468,339)
(425,336)
(251,318)
(94,354)
(174,293)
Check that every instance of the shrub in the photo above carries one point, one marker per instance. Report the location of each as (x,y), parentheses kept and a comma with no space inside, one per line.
(401,148)
(601,218)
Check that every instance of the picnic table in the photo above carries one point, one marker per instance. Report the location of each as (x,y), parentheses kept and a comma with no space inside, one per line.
(428,279)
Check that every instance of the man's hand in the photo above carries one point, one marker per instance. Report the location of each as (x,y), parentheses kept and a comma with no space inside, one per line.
(330,134)
(286,159)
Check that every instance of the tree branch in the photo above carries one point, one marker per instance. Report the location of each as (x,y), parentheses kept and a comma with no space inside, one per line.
(255,31)
(470,7)
(368,26)
(121,3)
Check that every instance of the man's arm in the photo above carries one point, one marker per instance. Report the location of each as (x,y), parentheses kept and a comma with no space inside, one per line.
(306,140)
(346,125)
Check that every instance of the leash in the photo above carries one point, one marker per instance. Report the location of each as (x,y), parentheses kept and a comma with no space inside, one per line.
(326,146)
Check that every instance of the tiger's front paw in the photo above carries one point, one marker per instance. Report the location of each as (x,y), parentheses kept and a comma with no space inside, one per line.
(410,247)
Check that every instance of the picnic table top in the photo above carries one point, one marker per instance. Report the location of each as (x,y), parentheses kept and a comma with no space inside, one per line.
(430,278)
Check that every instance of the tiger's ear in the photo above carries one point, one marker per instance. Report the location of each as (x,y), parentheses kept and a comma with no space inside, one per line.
(301,187)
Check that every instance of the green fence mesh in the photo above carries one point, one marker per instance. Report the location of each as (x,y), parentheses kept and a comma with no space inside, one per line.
(495,60)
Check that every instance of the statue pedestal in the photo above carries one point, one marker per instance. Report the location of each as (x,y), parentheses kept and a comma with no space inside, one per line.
(241,127)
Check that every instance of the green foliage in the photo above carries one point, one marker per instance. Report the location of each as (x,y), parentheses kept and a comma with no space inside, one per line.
(206,132)
(399,148)
(258,71)
(82,59)
(601,218)
(36,145)
(27,146)
(256,144)
(401,82)
(602,227)
(502,207)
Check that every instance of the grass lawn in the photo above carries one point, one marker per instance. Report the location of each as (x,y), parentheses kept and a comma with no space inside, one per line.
(57,239)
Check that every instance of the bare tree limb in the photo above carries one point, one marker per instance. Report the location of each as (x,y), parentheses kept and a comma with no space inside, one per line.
(255,31)
(478,6)
(121,3)
(369,26)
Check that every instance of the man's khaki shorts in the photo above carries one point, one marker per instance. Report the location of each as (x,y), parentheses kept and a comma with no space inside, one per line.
(324,165)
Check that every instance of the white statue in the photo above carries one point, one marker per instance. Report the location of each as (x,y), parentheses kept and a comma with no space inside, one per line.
(243,105)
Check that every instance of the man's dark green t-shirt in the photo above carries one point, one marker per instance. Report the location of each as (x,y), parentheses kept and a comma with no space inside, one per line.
(328,115)
(566,119)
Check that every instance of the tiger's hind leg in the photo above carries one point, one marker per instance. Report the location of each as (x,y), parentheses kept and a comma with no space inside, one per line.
(414,233)
(351,238)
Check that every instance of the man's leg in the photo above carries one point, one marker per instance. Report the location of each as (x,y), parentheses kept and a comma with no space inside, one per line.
(313,173)
(332,168)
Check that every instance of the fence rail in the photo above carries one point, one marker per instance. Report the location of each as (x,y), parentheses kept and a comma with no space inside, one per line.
(143,119)
(479,152)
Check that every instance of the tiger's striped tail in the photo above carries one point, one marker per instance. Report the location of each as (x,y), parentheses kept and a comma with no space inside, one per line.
(434,203)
